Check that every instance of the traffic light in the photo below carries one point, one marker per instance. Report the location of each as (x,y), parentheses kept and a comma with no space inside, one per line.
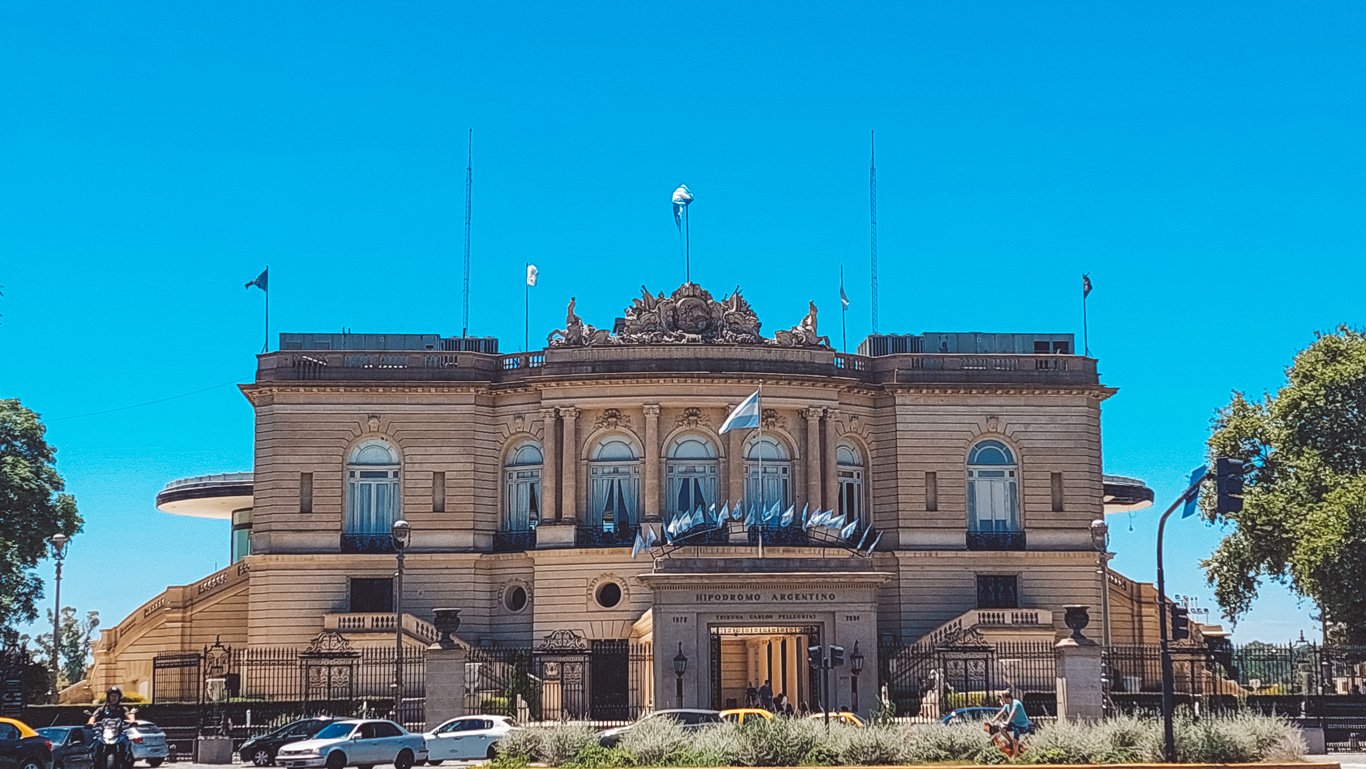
(815,657)
(1228,485)
(1181,623)
(836,656)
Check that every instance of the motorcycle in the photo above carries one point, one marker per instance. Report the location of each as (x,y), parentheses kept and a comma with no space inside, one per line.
(113,749)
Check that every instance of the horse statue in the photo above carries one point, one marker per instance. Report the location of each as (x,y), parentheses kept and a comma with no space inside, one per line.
(576,333)
(804,334)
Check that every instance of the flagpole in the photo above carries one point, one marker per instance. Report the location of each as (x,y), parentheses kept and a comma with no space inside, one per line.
(687,245)
(759,444)
(526,323)
(266,346)
(1085,337)
(844,315)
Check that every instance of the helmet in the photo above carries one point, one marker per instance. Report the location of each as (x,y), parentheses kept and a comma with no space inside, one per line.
(111,691)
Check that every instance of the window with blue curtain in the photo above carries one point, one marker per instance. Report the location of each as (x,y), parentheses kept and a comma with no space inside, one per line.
(614,486)
(993,488)
(522,488)
(691,469)
(372,493)
(768,472)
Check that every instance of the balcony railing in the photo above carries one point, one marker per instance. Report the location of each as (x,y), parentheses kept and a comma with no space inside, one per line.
(379,622)
(996,540)
(367,543)
(597,536)
(778,535)
(514,541)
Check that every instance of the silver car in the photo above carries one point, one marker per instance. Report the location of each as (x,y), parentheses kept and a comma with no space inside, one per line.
(355,742)
(149,743)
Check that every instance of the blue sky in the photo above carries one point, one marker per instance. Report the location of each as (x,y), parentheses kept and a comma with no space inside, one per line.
(1202,162)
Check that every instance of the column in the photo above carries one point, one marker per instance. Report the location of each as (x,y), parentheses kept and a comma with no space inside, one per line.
(735,458)
(550,509)
(1080,696)
(832,479)
(569,476)
(446,690)
(813,455)
(652,492)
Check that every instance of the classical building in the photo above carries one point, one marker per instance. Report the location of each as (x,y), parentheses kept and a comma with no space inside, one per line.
(964,472)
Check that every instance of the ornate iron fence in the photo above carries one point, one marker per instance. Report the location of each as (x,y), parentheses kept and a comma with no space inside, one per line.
(930,680)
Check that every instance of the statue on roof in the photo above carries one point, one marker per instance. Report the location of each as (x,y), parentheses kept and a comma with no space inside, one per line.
(803,334)
(576,333)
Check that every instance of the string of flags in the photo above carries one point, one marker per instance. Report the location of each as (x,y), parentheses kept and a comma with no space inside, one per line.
(846,532)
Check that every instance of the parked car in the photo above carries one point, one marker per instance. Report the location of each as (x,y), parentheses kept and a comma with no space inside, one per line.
(465,738)
(356,742)
(970,715)
(149,743)
(840,717)
(741,716)
(261,750)
(691,719)
(73,747)
(23,748)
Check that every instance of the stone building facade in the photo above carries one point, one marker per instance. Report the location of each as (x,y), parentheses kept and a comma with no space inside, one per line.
(975,468)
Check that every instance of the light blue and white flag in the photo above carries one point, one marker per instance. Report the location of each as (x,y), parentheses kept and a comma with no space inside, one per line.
(873,546)
(637,546)
(818,518)
(681,198)
(751,517)
(650,538)
(806,516)
(847,532)
(772,514)
(723,515)
(788,515)
(745,416)
(699,517)
(863,539)
(834,522)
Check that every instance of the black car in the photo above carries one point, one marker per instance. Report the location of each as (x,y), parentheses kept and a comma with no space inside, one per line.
(73,747)
(691,719)
(261,750)
(23,748)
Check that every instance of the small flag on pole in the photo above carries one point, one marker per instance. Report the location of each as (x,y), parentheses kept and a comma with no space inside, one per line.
(531,274)
(1085,285)
(681,198)
(260,281)
(745,416)
(844,298)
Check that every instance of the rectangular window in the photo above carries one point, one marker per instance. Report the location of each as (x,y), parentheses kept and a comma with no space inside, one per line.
(614,497)
(1055,482)
(997,591)
(522,492)
(371,595)
(931,492)
(438,492)
(305,492)
(692,486)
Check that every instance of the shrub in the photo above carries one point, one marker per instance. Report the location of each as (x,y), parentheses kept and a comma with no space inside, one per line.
(1065,742)
(937,742)
(655,741)
(1242,738)
(562,743)
(595,756)
(715,746)
(874,745)
(1129,739)
(778,742)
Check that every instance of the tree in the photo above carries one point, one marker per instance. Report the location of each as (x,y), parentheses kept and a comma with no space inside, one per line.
(1305,495)
(73,646)
(33,507)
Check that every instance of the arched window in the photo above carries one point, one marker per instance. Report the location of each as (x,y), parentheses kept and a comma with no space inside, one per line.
(372,497)
(850,469)
(993,488)
(522,488)
(614,486)
(770,455)
(691,469)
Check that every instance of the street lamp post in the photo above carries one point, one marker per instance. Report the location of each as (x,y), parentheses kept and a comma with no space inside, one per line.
(855,666)
(58,542)
(402,533)
(1100,540)
(680,668)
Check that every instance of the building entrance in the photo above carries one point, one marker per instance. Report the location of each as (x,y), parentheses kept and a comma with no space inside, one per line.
(753,665)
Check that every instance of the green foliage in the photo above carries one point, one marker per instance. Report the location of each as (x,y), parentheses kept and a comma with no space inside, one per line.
(1238,739)
(779,741)
(936,742)
(1306,491)
(76,639)
(34,509)
(655,741)
(596,756)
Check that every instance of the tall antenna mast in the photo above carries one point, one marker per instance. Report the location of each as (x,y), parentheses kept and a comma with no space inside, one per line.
(872,215)
(469,167)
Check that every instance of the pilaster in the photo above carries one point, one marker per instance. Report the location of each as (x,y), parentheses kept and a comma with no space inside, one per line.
(832,480)
(813,454)
(569,469)
(653,494)
(550,508)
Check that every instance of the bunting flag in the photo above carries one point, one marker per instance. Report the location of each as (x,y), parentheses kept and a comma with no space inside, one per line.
(650,538)
(847,532)
(863,538)
(260,281)
(751,517)
(637,546)
(806,516)
(531,274)
(787,517)
(1085,285)
(873,546)
(723,515)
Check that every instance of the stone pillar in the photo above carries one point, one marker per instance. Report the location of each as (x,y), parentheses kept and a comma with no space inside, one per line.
(445,683)
(1081,695)
(653,495)
(550,508)
(813,457)
(832,478)
(569,474)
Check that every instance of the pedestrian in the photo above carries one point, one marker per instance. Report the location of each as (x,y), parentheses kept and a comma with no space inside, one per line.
(751,696)
(766,695)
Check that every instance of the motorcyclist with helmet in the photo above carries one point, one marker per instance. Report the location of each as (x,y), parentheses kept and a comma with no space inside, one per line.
(112,708)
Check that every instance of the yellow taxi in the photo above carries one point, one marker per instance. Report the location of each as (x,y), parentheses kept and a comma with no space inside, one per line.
(741,716)
(842,717)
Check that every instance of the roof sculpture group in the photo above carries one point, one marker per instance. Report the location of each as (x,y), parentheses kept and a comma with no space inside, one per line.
(690,315)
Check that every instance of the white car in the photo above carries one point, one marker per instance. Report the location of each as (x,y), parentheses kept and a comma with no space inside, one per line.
(356,742)
(467,737)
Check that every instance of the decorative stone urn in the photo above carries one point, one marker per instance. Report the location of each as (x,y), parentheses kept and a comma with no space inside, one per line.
(447,621)
(1077,618)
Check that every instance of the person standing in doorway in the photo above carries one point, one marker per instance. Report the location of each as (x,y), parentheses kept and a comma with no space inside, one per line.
(766,695)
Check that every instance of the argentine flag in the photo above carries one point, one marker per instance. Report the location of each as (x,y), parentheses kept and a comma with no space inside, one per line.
(745,416)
